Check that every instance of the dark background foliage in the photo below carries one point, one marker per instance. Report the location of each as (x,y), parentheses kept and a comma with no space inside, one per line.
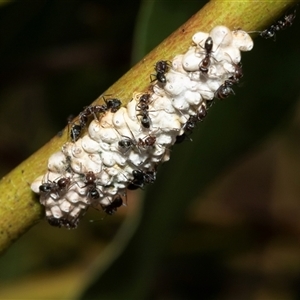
(222,220)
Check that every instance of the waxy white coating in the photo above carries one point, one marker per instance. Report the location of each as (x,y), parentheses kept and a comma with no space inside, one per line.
(170,106)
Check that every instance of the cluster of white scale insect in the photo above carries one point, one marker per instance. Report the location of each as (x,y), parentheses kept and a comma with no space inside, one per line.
(123,147)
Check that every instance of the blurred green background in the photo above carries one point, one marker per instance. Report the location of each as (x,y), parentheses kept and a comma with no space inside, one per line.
(223,219)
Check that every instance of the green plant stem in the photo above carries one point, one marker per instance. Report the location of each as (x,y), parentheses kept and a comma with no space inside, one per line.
(20,208)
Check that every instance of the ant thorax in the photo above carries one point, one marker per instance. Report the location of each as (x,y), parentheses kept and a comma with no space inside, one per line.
(282,24)
(113,148)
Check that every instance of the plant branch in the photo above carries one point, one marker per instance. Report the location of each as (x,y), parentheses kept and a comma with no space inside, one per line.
(20,208)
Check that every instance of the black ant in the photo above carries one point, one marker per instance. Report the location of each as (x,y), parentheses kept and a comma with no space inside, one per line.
(145,119)
(143,102)
(111,104)
(225,89)
(75,132)
(238,73)
(201,112)
(279,25)
(55,187)
(75,129)
(190,125)
(126,143)
(88,111)
(161,68)
(145,143)
(148,141)
(55,222)
(205,63)
(140,178)
(63,222)
(90,183)
(143,110)
(112,207)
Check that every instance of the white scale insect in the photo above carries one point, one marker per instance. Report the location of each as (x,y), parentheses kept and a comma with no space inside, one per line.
(182,92)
